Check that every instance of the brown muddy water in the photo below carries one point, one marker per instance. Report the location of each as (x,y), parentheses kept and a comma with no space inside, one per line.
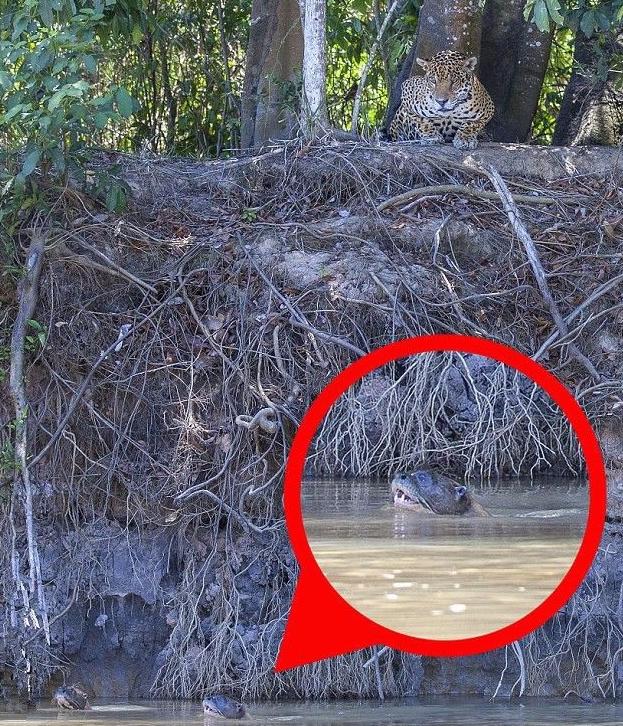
(392,713)
(445,577)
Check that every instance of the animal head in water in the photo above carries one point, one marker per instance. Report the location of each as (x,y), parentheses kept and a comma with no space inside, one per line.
(71,698)
(222,707)
(424,490)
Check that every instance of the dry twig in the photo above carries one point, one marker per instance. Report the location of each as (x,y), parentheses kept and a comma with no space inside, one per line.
(462,190)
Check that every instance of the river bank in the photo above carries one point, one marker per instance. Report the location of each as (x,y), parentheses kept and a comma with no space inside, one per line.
(185,337)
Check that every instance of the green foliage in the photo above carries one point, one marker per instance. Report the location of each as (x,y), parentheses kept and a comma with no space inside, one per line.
(167,77)
(183,63)
(7,462)
(351,31)
(249,214)
(33,343)
(554,84)
(587,16)
(37,339)
(5,359)
(594,18)
(542,12)
(49,106)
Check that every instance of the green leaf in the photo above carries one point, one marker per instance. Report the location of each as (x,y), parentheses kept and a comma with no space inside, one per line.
(587,23)
(57,99)
(101,119)
(74,90)
(13,112)
(45,12)
(41,59)
(125,104)
(541,16)
(90,63)
(58,159)
(115,198)
(137,34)
(6,81)
(30,162)
(553,7)
(20,23)
(59,65)
(603,21)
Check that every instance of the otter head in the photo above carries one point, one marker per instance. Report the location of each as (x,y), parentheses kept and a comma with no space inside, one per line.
(426,491)
(222,707)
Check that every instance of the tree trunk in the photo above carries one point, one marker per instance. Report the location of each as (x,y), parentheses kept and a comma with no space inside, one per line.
(513,62)
(442,25)
(170,98)
(592,108)
(314,110)
(274,59)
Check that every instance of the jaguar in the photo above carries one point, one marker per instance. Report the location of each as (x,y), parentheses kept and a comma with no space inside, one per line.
(447,104)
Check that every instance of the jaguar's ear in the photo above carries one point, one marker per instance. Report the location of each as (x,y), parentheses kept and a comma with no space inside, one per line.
(470,63)
(460,492)
(422,62)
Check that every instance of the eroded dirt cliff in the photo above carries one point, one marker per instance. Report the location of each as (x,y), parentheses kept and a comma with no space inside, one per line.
(184,339)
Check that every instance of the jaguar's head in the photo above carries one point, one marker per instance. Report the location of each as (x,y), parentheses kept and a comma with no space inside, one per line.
(449,78)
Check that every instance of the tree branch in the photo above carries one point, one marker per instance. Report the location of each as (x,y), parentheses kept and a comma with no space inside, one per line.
(366,69)
(537,268)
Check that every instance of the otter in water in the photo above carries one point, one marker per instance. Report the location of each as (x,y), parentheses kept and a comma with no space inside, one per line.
(71,698)
(427,491)
(222,707)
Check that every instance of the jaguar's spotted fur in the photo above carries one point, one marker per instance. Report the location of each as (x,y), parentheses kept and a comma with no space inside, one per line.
(447,104)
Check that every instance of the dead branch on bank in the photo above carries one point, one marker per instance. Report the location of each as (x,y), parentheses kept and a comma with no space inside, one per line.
(535,262)
(462,190)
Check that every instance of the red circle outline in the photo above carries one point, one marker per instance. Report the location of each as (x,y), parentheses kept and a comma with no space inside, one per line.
(559,394)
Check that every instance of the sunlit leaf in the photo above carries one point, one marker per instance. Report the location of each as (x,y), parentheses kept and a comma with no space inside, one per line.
(12,112)
(137,34)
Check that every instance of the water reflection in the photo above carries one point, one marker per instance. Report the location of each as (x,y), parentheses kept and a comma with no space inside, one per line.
(466,712)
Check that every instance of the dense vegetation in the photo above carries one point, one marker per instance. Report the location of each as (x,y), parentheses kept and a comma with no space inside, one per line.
(167,75)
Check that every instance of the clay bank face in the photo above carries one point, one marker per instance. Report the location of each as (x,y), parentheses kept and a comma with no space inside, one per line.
(427,491)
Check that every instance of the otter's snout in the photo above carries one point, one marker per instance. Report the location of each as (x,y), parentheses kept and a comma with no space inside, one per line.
(404,492)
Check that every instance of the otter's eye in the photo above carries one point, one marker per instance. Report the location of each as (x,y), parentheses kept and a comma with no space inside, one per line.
(460,492)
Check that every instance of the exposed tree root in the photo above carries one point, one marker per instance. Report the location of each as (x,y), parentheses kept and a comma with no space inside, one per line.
(33,599)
